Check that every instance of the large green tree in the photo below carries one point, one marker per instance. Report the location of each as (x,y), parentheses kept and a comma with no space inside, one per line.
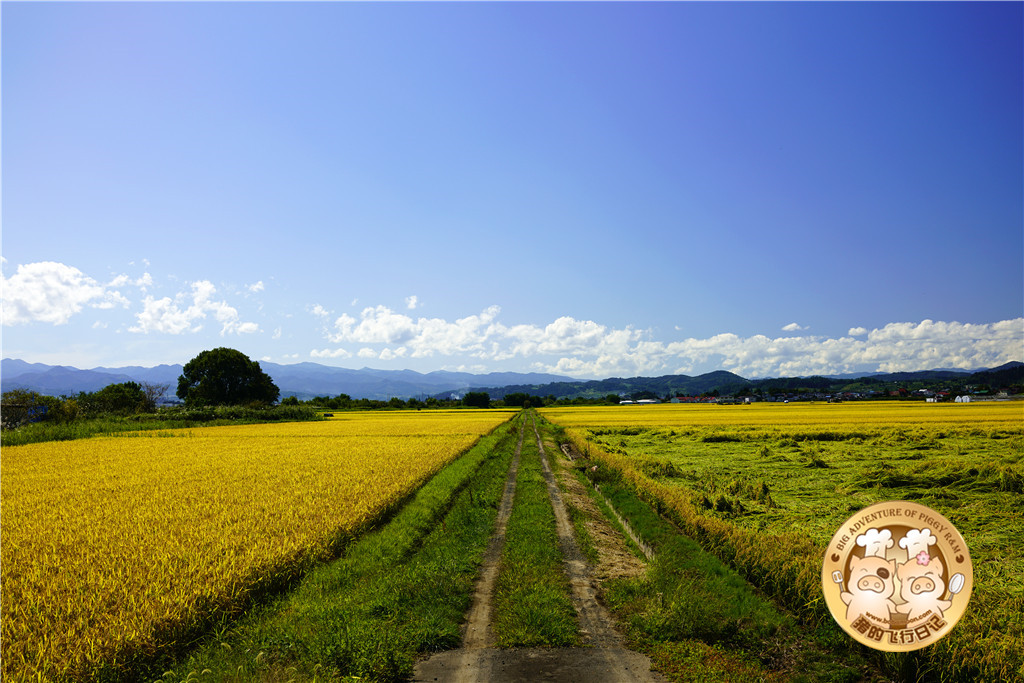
(225,377)
(124,398)
(477,399)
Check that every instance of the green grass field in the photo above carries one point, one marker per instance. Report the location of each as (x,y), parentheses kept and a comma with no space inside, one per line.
(790,475)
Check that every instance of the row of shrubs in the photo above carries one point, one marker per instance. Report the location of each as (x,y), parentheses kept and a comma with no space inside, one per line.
(30,417)
(21,406)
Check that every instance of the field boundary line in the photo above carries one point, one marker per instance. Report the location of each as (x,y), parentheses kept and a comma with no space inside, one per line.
(647,550)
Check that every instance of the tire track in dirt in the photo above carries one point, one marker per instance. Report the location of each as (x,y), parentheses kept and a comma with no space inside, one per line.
(477,661)
(471,663)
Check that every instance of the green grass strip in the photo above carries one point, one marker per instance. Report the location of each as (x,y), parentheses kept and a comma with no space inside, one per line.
(532,603)
(399,592)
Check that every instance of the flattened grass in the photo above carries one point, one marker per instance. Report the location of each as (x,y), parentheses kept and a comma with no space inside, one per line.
(699,620)
(743,478)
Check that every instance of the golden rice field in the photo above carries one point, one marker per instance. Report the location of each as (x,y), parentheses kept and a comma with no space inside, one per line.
(766,485)
(114,547)
(803,414)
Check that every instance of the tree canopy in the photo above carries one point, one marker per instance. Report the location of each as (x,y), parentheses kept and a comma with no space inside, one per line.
(21,406)
(524,400)
(225,376)
(124,398)
(477,399)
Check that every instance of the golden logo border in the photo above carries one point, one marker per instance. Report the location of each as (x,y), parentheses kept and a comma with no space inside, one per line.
(887,586)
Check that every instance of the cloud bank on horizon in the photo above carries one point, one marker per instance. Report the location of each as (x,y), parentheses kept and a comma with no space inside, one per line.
(55,294)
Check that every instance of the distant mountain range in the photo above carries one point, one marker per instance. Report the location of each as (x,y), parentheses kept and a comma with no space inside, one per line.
(306,380)
(719,380)
(726,383)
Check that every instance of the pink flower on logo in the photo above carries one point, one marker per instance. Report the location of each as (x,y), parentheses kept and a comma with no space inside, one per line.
(923,558)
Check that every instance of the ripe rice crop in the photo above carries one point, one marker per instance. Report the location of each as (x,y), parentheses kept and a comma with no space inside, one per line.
(798,414)
(116,547)
(766,485)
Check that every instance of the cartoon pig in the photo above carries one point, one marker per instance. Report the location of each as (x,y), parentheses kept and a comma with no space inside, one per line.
(922,587)
(870,587)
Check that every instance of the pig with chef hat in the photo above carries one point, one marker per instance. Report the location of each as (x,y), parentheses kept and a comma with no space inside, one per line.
(872,578)
(921,584)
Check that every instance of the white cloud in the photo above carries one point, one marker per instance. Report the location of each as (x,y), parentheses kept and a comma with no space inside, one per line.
(893,348)
(587,348)
(256,287)
(906,346)
(379,325)
(163,315)
(319,311)
(111,299)
(52,292)
(142,283)
(421,337)
(391,354)
(411,302)
(241,328)
(465,335)
(478,368)
(178,316)
(330,353)
(793,327)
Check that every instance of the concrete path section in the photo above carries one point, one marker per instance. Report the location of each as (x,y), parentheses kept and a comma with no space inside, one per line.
(559,665)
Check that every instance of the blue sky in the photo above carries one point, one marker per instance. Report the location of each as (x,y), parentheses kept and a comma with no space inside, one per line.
(592,189)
